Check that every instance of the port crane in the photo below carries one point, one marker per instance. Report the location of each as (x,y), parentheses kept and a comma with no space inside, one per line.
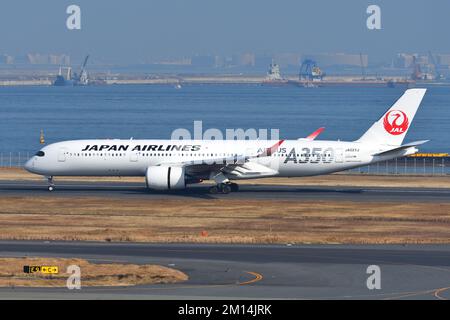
(310,71)
(437,74)
(83,78)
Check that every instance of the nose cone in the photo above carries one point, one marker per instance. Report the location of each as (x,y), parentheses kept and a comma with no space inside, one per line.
(29,165)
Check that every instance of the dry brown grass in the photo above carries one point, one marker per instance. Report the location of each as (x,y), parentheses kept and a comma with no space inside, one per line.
(224,220)
(339,179)
(11,273)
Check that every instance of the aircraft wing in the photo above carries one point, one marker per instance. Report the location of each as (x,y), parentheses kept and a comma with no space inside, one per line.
(237,166)
(248,170)
(235,159)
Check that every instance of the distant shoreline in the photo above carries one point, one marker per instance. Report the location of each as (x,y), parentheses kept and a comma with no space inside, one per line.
(228,79)
(17,83)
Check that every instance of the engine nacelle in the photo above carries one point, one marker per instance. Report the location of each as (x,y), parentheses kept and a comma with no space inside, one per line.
(165,178)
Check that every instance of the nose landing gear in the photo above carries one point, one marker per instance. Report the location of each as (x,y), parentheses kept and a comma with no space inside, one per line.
(51,185)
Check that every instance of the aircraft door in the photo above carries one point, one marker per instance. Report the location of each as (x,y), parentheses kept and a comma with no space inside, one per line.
(62,154)
(339,155)
(133,156)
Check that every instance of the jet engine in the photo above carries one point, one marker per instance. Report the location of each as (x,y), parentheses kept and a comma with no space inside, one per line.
(165,178)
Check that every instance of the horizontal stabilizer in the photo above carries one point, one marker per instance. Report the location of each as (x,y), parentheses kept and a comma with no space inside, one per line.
(402,147)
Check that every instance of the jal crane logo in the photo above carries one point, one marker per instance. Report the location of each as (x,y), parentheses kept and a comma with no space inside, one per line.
(396,122)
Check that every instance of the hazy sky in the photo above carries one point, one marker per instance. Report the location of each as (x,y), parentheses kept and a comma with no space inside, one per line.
(136,30)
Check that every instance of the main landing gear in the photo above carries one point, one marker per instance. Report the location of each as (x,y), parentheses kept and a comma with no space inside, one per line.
(224,188)
(223,184)
(51,185)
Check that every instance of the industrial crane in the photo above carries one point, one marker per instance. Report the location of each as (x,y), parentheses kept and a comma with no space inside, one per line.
(83,78)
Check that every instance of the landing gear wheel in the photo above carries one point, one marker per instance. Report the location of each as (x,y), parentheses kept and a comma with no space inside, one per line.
(51,188)
(225,188)
(214,190)
(234,187)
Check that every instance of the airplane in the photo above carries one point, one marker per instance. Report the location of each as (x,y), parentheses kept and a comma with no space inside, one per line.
(175,164)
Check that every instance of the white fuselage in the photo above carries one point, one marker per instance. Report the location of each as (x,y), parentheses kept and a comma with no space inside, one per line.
(293,158)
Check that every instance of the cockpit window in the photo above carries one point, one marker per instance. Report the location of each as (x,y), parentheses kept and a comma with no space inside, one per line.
(40,153)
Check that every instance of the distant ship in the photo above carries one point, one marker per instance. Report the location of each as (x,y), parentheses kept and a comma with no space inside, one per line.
(61,81)
(81,79)
(274,76)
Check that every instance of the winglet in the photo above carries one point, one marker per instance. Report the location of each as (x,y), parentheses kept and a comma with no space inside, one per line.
(314,135)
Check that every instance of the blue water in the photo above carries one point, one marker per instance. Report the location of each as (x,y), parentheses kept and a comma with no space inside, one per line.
(154,111)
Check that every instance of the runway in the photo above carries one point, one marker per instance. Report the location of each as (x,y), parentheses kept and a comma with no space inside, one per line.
(138,190)
(259,272)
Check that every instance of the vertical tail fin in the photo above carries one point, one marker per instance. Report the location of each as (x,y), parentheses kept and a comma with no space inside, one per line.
(392,127)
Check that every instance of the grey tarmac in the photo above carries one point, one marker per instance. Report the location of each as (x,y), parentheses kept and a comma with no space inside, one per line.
(254,271)
(139,190)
